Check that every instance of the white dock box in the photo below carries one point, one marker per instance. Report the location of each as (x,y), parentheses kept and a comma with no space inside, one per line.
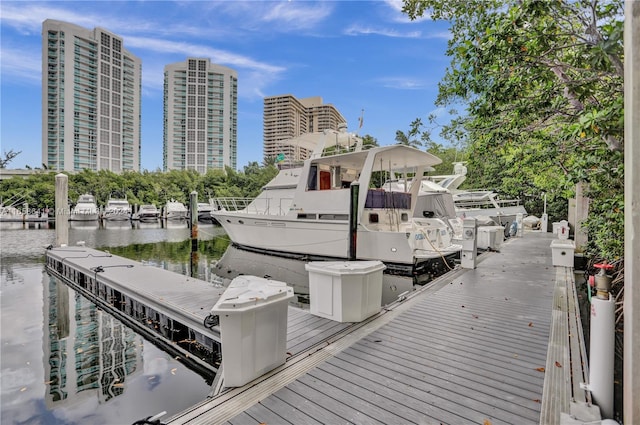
(562,252)
(253,327)
(345,291)
(490,237)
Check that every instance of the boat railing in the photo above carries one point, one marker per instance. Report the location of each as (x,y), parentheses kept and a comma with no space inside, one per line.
(270,206)
(487,203)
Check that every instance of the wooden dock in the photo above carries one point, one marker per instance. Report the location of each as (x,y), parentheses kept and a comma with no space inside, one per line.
(494,345)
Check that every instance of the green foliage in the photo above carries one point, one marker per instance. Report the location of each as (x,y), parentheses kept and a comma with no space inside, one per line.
(542,82)
(38,189)
(415,137)
(7,157)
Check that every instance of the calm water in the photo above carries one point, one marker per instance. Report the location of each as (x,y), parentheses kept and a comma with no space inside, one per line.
(64,361)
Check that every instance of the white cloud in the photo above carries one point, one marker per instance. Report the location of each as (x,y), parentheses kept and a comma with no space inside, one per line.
(402,83)
(399,16)
(198,50)
(438,112)
(297,15)
(20,64)
(357,29)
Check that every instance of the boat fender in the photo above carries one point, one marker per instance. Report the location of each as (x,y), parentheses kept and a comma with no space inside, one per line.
(513,230)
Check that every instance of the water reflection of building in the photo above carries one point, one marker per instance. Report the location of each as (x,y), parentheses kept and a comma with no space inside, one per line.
(87,352)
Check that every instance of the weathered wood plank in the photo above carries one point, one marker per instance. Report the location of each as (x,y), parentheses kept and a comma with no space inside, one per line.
(468,398)
(341,407)
(309,407)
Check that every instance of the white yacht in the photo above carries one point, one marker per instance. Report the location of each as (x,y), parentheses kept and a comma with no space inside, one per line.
(175,210)
(85,209)
(148,212)
(117,210)
(479,203)
(305,211)
(10,213)
(204,212)
(433,201)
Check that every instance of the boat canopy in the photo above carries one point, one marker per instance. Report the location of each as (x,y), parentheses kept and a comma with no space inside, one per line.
(393,157)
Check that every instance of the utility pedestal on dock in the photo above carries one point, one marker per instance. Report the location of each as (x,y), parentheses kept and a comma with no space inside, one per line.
(469,243)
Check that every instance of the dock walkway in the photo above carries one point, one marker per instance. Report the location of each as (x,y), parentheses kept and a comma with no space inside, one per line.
(470,347)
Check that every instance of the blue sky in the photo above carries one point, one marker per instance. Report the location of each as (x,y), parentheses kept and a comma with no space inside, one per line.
(356,55)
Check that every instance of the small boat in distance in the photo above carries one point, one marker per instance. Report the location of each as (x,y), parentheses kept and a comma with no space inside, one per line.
(117,210)
(9,213)
(479,203)
(175,210)
(148,212)
(204,212)
(85,209)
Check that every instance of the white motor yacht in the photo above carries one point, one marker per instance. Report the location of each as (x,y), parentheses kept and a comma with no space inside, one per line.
(85,209)
(305,211)
(117,210)
(148,212)
(175,210)
(204,212)
(479,203)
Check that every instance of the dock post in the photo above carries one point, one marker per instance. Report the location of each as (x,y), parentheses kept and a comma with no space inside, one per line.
(631,384)
(62,209)
(353,220)
(193,208)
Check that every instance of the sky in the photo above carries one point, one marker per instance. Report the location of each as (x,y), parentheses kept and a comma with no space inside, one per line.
(364,57)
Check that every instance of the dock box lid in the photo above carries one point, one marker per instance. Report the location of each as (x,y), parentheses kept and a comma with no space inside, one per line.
(337,268)
(563,244)
(247,292)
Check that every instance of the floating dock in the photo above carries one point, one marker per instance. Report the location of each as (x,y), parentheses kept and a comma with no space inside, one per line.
(167,308)
(497,344)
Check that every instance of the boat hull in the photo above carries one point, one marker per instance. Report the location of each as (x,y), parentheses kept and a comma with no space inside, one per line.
(328,240)
(117,216)
(84,216)
(149,218)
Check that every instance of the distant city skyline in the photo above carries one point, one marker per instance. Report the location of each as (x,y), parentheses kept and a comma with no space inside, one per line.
(357,56)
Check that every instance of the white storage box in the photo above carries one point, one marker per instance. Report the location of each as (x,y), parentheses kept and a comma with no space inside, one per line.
(345,291)
(490,237)
(253,327)
(562,251)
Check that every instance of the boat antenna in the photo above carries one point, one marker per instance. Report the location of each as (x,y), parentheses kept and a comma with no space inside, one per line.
(361,119)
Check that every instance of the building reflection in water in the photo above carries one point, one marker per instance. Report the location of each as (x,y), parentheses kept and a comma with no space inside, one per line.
(87,352)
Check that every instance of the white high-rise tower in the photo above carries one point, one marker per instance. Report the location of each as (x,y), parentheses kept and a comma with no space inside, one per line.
(200,116)
(91,89)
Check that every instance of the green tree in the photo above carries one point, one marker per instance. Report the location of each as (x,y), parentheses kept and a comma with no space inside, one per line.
(542,83)
(368,141)
(8,157)
(415,137)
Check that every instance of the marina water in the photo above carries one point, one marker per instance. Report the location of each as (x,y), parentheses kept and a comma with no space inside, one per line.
(65,361)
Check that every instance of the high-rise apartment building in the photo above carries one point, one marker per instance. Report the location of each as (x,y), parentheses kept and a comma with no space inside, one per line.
(286,117)
(91,88)
(200,116)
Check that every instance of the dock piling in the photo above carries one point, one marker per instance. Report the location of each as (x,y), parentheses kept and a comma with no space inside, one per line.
(62,209)
(193,208)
